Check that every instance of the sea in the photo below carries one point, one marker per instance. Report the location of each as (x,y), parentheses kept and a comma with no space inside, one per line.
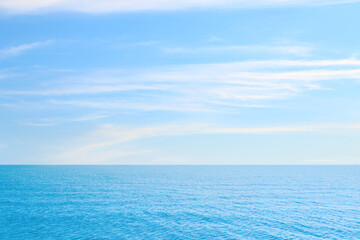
(179,202)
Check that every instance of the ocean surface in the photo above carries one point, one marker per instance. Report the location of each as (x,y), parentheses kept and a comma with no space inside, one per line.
(179,202)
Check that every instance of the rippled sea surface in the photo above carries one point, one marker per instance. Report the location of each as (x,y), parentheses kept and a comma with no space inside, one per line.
(179,202)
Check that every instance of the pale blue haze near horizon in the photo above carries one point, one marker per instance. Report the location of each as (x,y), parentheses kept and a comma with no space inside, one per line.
(180,82)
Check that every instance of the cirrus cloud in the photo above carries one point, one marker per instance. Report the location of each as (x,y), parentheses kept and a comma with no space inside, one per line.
(93,6)
(107,144)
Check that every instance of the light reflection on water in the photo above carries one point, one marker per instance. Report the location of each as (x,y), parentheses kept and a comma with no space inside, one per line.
(179,202)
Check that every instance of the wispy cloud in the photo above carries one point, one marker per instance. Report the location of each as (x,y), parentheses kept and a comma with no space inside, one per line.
(112,134)
(17,50)
(93,6)
(138,44)
(104,145)
(47,122)
(151,105)
(81,89)
(292,50)
(196,87)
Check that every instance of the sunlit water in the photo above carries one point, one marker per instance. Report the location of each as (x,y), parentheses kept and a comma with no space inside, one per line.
(179,202)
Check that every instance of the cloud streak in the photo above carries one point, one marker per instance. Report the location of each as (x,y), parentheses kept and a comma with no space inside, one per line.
(300,51)
(47,122)
(104,6)
(197,87)
(106,143)
(17,50)
(112,134)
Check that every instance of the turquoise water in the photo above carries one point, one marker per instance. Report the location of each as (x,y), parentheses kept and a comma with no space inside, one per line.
(179,202)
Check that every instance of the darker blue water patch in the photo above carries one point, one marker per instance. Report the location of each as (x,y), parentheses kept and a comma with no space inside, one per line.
(179,202)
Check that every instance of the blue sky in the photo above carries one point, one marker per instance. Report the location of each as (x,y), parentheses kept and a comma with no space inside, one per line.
(179,82)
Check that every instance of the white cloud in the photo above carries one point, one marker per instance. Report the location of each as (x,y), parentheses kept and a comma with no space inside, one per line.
(138,44)
(106,144)
(82,89)
(112,134)
(17,50)
(197,87)
(293,50)
(94,6)
(47,122)
(143,106)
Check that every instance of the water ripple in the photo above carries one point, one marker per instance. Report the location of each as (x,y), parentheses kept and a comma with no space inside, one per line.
(179,202)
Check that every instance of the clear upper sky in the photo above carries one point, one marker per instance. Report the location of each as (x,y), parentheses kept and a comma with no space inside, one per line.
(179,82)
